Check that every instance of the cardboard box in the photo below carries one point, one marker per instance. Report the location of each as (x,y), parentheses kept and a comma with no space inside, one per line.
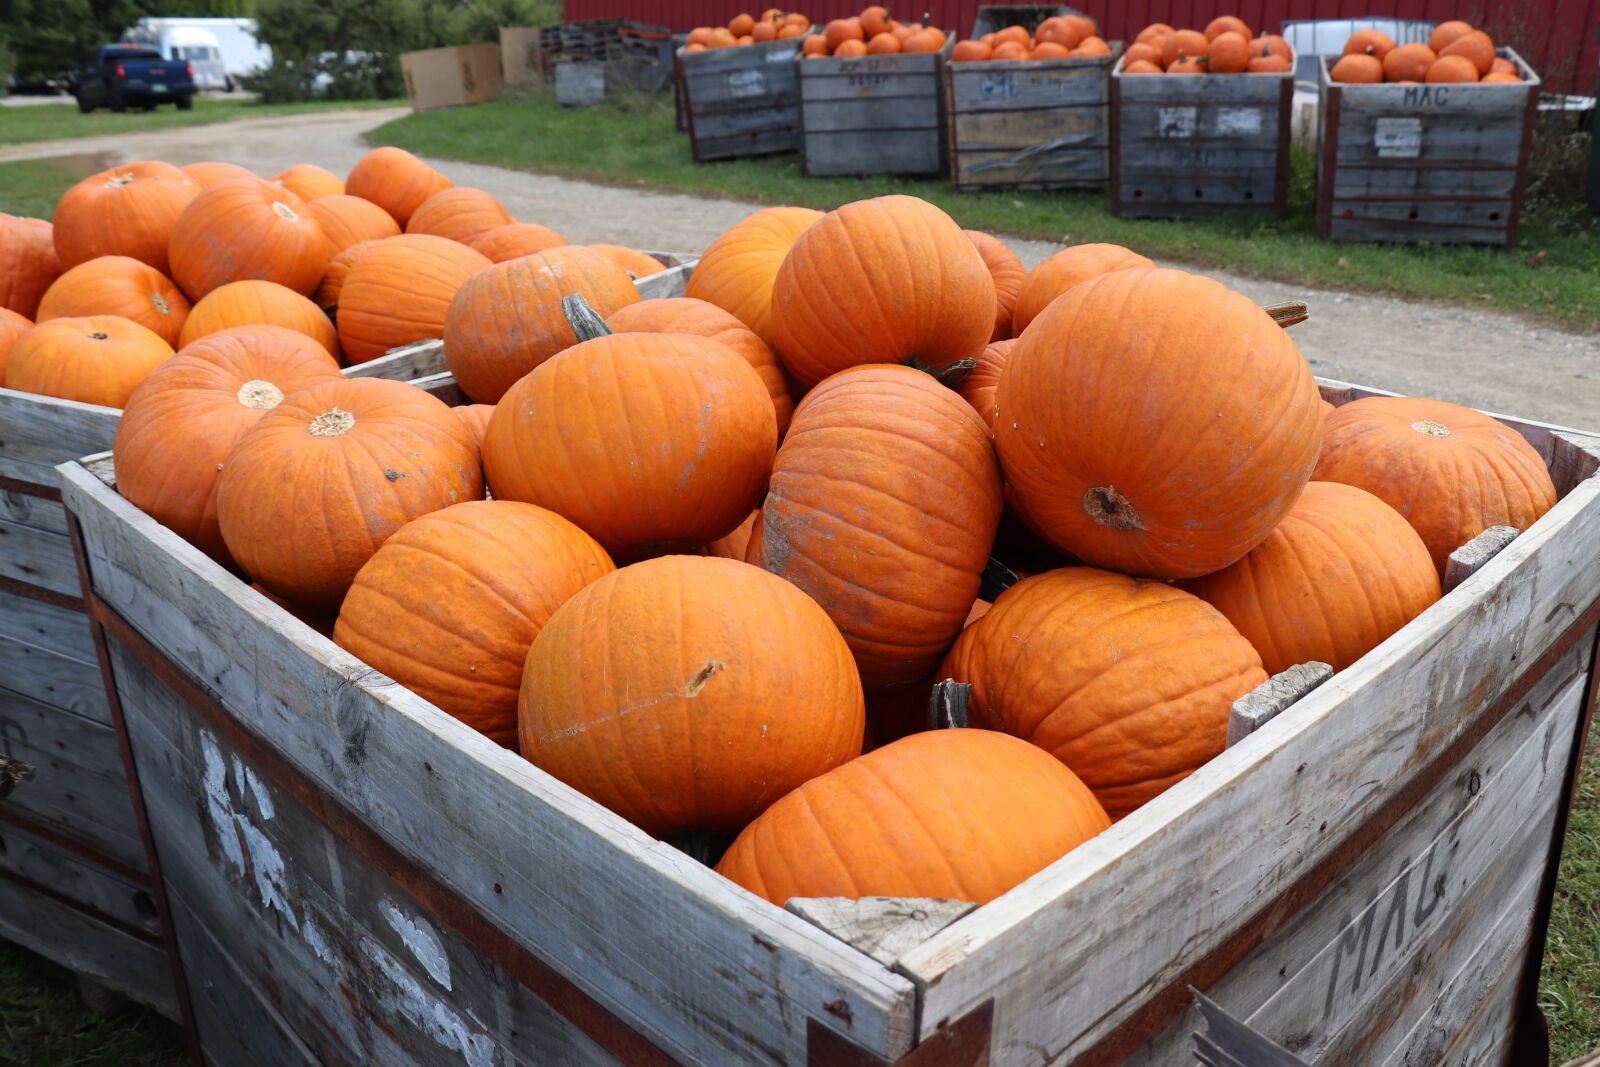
(521,57)
(450,77)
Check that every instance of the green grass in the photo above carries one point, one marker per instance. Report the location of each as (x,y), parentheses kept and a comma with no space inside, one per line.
(54,122)
(1569,991)
(32,187)
(631,142)
(44,1024)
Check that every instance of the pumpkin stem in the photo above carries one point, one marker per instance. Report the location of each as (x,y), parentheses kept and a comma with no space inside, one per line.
(1431,428)
(950,375)
(1290,314)
(1110,508)
(947,708)
(260,395)
(331,423)
(997,578)
(702,846)
(99,336)
(583,319)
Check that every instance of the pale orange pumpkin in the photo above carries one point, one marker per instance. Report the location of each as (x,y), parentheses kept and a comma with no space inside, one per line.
(95,359)
(979,386)
(395,180)
(250,303)
(737,270)
(516,240)
(350,220)
(12,327)
(1062,271)
(119,285)
(635,262)
(309,181)
(459,214)
(210,173)
(239,230)
(1008,273)
(399,291)
(129,210)
(28,262)
(327,295)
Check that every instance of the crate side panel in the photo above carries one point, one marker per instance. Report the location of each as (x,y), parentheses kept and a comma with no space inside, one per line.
(53,679)
(38,557)
(873,152)
(97,888)
(50,627)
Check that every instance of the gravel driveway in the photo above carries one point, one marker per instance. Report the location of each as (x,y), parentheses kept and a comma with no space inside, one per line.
(1480,358)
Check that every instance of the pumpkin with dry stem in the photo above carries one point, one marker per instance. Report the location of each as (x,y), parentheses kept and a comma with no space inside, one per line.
(241,230)
(129,210)
(119,285)
(95,359)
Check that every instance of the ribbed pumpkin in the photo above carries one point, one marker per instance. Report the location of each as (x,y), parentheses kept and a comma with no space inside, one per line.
(129,210)
(689,693)
(266,303)
(94,359)
(327,295)
(449,605)
(396,181)
(208,174)
(686,315)
(1062,271)
(896,823)
(309,181)
(475,417)
(12,327)
(1169,450)
(636,263)
(399,291)
(978,387)
(369,455)
(734,545)
(1008,273)
(1127,682)
(1451,471)
(649,441)
(882,507)
(28,262)
(880,281)
(459,214)
(238,231)
(516,240)
(347,221)
(1340,573)
(119,285)
(737,270)
(184,419)
(507,320)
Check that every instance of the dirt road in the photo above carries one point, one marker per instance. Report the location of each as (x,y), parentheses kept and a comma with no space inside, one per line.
(1474,357)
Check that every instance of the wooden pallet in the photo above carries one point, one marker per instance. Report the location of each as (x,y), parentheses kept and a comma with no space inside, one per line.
(357,877)
(1438,163)
(742,101)
(873,114)
(1195,145)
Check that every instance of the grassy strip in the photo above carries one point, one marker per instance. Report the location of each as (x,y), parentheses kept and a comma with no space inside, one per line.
(631,142)
(44,1024)
(1569,991)
(32,187)
(55,122)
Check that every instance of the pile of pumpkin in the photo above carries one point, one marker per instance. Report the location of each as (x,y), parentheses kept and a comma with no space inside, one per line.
(874,33)
(745,29)
(1456,52)
(1226,46)
(736,540)
(1057,37)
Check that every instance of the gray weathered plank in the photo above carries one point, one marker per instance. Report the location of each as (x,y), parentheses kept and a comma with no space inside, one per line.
(26,509)
(1044,125)
(1413,99)
(1471,557)
(1050,84)
(867,117)
(53,679)
(742,101)
(873,152)
(1054,168)
(1451,142)
(37,427)
(1207,91)
(1365,229)
(46,626)
(38,557)
(27,855)
(1351,181)
(987,130)
(1263,703)
(884,928)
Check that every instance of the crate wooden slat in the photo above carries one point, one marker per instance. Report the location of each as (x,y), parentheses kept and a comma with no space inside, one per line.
(873,114)
(1440,163)
(1421,788)
(742,101)
(1191,146)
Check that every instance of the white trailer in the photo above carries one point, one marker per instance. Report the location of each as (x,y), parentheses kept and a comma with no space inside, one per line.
(220,49)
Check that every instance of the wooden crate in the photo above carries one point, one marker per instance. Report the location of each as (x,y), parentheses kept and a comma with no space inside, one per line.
(1195,145)
(742,101)
(357,877)
(873,114)
(1424,162)
(679,103)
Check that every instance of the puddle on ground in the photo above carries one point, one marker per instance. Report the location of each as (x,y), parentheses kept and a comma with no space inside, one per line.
(79,165)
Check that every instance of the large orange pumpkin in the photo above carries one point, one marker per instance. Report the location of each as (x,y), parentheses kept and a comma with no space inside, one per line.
(368,454)
(881,281)
(1127,682)
(635,262)
(978,387)
(184,419)
(118,285)
(460,214)
(13,326)
(349,220)
(1168,450)
(649,441)
(28,262)
(882,506)
(396,181)
(507,320)
(516,240)
(888,824)
(238,230)
(735,545)
(255,302)
(1062,271)
(449,605)
(210,173)
(327,295)
(1451,471)
(1008,273)
(129,210)
(399,291)
(94,359)
(686,315)
(689,693)
(1340,573)
(309,181)
(737,269)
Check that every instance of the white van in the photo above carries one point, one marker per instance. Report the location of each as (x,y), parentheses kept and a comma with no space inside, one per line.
(220,49)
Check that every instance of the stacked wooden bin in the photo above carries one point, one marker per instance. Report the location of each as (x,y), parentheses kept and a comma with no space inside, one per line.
(742,101)
(873,114)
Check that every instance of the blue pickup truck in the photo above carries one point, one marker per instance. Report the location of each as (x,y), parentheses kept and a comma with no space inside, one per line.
(133,75)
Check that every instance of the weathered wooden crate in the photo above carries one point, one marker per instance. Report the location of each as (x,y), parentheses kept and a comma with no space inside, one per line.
(742,101)
(1424,162)
(74,881)
(357,877)
(1196,145)
(873,114)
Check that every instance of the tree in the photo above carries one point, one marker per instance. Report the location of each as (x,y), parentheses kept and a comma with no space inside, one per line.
(49,37)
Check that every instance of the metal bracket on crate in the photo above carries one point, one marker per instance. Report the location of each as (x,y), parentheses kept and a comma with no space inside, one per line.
(1227,1042)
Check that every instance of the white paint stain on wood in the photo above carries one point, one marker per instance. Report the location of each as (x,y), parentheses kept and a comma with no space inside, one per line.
(419,937)
(428,1012)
